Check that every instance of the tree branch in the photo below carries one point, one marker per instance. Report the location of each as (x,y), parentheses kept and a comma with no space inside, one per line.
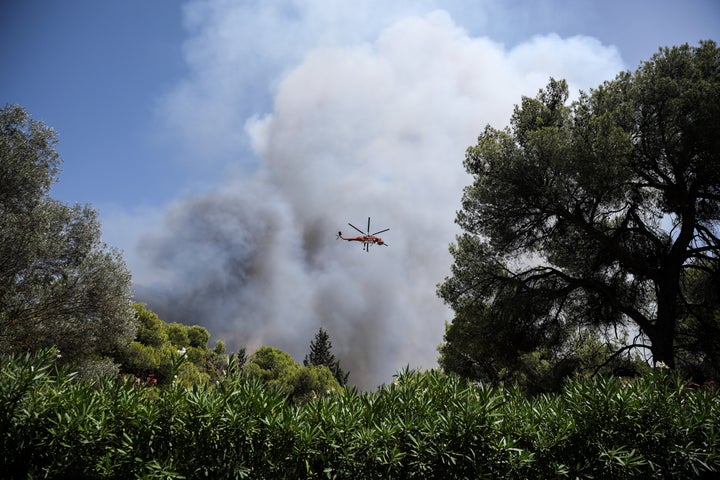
(617,354)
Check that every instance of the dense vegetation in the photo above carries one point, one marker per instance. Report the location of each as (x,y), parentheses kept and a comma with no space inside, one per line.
(321,354)
(60,285)
(154,355)
(166,353)
(594,220)
(424,425)
(590,233)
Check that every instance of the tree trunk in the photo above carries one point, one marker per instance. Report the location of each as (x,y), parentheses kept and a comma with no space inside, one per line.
(662,337)
(663,344)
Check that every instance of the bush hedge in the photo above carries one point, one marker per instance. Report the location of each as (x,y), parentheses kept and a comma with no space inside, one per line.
(423,425)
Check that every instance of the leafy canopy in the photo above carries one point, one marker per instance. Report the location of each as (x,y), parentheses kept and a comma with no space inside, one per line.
(593,217)
(165,352)
(59,284)
(278,369)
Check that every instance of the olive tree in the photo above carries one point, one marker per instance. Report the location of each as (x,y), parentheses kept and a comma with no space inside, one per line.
(59,284)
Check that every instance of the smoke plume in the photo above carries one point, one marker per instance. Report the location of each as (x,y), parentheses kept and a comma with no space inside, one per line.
(375,129)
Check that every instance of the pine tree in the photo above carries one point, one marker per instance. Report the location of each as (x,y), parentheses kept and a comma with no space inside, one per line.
(591,217)
(321,354)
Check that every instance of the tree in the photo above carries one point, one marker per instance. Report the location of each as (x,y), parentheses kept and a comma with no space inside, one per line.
(178,334)
(198,337)
(151,331)
(167,352)
(279,370)
(698,338)
(321,354)
(274,367)
(59,284)
(314,381)
(592,217)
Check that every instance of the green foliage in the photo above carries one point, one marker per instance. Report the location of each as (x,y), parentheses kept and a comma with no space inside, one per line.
(198,337)
(29,161)
(589,217)
(468,352)
(144,361)
(321,354)
(423,425)
(236,362)
(151,330)
(280,371)
(274,367)
(314,381)
(189,374)
(158,347)
(178,334)
(59,284)
(320,350)
(699,331)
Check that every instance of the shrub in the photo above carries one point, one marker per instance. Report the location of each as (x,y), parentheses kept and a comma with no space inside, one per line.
(423,425)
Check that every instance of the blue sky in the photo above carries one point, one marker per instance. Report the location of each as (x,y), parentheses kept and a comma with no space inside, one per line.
(94,71)
(225,142)
(91,70)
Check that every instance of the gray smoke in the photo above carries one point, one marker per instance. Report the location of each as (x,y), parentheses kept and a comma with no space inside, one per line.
(242,264)
(375,129)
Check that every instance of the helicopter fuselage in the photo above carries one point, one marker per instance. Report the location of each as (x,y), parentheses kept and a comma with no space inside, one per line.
(366,238)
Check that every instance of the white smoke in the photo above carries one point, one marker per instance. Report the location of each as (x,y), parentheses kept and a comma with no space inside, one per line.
(358,128)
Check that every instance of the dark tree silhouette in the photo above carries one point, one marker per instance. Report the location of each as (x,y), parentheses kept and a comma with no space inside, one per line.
(595,216)
(321,354)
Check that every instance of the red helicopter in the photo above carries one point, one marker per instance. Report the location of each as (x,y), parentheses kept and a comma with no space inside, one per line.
(366,238)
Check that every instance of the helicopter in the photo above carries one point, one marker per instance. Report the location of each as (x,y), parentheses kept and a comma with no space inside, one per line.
(366,238)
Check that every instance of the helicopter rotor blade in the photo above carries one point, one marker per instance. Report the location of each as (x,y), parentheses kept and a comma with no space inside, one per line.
(381,231)
(353,226)
(368,230)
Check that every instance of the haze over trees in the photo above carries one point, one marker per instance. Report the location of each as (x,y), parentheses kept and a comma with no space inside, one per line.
(59,284)
(591,219)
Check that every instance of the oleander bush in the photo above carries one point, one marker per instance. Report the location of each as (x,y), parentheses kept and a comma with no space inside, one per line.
(423,425)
